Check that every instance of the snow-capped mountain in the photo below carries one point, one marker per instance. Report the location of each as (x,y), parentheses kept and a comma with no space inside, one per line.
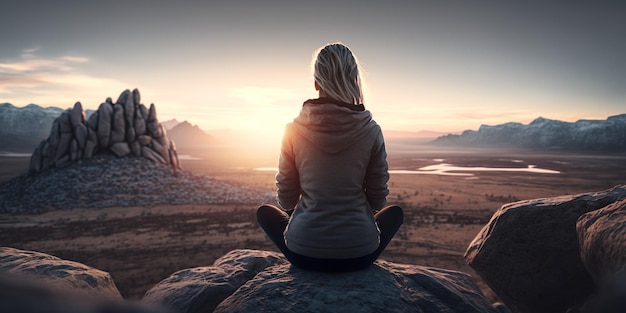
(542,133)
(21,129)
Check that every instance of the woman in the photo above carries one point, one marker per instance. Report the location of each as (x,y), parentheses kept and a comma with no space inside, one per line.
(332,176)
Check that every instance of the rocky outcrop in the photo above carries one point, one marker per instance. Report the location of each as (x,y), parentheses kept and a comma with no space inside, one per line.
(62,274)
(602,238)
(113,128)
(34,282)
(261,281)
(529,252)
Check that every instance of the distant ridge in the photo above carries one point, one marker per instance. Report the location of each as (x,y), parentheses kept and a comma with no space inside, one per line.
(543,133)
(187,135)
(22,128)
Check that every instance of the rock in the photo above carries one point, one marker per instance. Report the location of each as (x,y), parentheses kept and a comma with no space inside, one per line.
(118,130)
(65,125)
(78,115)
(262,281)
(130,134)
(80,133)
(602,239)
(109,101)
(64,145)
(154,129)
(152,155)
(140,123)
(63,161)
(74,150)
(136,97)
(161,150)
(152,116)
(55,133)
(123,97)
(144,112)
(135,148)
(36,158)
(92,122)
(90,144)
(129,111)
(144,140)
(120,149)
(105,116)
(610,297)
(528,253)
(61,273)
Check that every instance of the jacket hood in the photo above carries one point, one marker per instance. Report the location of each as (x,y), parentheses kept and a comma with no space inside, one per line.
(333,126)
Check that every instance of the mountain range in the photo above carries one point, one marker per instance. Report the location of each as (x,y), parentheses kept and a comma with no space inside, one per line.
(22,129)
(546,134)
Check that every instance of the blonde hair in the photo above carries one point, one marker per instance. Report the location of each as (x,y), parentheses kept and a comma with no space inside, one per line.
(337,73)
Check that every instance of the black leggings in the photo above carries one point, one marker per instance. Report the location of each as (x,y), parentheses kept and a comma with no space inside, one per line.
(274,221)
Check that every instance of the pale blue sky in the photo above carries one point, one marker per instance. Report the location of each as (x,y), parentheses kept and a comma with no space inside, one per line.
(430,65)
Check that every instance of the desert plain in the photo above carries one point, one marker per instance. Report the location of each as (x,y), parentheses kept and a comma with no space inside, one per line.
(444,210)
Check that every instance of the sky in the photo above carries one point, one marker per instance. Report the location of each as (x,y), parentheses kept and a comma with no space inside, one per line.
(246,65)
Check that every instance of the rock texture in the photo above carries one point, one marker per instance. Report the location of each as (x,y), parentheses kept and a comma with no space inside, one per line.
(529,254)
(109,181)
(61,273)
(602,238)
(261,281)
(112,129)
(38,291)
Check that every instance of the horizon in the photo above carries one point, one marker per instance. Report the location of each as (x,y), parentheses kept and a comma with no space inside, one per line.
(427,66)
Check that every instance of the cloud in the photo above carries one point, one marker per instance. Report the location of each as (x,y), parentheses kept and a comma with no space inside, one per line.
(32,78)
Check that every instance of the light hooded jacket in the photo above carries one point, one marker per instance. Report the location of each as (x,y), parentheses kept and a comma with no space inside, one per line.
(333,173)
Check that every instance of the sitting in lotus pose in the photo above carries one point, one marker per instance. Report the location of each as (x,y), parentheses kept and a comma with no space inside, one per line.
(332,176)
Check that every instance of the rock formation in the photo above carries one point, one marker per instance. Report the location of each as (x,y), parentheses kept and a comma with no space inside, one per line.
(123,128)
(529,252)
(262,281)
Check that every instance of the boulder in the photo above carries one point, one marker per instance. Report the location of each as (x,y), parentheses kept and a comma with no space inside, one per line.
(136,97)
(63,274)
(74,150)
(262,281)
(152,115)
(528,253)
(65,124)
(90,144)
(152,155)
(140,123)
(92,122)
(162,150)
(80,134)
(144,112)
(64,145)
(36,158)
(129,111)
(130,134)
(123,97)
(144,140)
(78,115)
(105,115)
(135,148)
(602,238)
(118,129)
(120,149)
